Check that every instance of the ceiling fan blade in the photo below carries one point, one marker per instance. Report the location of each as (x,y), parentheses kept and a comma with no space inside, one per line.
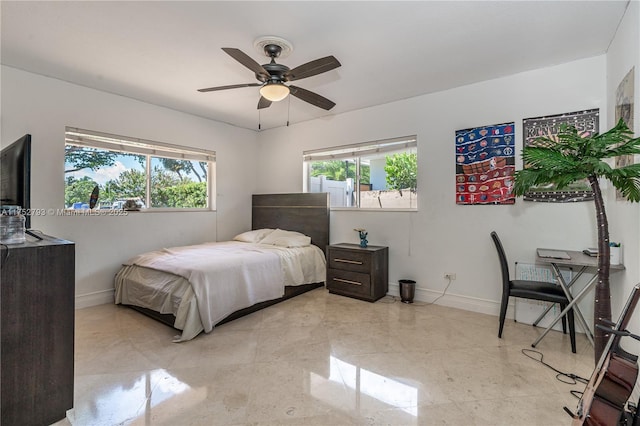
(263,103)
(312,98)
(312,68)
(233,86)
(246,60)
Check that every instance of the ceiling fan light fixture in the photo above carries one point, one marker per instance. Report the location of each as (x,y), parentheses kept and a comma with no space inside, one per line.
(274,91)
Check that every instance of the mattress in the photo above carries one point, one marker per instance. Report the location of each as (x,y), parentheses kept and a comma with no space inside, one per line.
(200,285)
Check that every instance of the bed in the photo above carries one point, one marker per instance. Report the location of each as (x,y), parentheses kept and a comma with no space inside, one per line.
(271,263)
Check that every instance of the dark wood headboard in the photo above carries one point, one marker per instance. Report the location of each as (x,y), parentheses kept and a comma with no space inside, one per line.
(307,213)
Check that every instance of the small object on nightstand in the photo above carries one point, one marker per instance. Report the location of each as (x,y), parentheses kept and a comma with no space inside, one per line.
(362,233)
(354,271)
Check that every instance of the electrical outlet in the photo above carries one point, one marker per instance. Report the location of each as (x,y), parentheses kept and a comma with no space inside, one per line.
(450,276)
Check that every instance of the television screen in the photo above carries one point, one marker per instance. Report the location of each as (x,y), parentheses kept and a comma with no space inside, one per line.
(15,175)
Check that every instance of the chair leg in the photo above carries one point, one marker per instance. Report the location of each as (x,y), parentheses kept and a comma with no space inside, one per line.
(503,313)
(572,330)
(564,319)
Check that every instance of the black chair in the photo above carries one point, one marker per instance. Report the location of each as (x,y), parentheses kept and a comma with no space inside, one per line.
(536,290)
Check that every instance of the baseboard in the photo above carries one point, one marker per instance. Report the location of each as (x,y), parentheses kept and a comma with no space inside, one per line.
(526,311)
(101,297)
(467,303)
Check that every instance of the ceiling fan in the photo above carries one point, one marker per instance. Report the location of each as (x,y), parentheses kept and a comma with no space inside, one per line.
(273,76)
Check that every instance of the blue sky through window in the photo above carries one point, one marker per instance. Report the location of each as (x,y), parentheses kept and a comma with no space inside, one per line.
(104,174)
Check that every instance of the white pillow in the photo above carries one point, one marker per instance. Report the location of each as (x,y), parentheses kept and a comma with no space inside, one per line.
(253,236)
(283,238)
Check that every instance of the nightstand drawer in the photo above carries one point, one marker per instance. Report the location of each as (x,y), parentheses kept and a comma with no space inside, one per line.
(359,272)
(349,282)
(350,260)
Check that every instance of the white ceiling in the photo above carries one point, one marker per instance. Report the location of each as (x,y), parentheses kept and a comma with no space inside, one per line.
(162,52)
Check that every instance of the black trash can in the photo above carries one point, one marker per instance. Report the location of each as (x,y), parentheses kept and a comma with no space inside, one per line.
(407,290)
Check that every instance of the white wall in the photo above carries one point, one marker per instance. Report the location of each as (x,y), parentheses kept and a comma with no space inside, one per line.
(43,107)
(442,236)
(624,217)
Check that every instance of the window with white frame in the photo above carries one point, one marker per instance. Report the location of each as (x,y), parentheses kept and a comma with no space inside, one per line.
(151,174)
(372,175)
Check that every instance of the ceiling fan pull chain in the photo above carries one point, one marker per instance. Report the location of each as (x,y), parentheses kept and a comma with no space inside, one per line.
(288,110)
(259,119)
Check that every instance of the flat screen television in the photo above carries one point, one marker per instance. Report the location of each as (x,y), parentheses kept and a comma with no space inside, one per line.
(15,175)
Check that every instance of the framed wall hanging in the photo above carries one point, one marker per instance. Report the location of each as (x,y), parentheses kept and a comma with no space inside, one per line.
(485,163)
(624,110)
(587,123)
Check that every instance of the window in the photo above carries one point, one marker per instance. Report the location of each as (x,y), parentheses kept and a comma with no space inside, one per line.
(152,175)
(372,175)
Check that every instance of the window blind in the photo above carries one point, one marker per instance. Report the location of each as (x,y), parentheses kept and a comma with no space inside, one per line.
(361,149)
(93,139)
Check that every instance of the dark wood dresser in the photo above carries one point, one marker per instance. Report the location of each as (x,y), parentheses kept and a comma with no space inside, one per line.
(37,299)
(354,271)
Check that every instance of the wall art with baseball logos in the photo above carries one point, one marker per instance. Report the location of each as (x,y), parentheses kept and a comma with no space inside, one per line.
(485,164)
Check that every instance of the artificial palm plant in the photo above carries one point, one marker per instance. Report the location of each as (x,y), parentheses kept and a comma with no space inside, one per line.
(569,157)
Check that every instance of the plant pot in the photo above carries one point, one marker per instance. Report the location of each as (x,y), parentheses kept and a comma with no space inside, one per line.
(407,290)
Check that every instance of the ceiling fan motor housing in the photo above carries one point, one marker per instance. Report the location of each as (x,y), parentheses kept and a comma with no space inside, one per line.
(276,72)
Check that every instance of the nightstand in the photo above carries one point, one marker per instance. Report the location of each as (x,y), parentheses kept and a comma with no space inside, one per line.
(354,271)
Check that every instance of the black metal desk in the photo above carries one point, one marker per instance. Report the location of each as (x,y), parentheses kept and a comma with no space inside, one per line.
(583,263)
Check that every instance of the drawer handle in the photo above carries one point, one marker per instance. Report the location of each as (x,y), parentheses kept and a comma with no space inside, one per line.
(354,262)
(347,281)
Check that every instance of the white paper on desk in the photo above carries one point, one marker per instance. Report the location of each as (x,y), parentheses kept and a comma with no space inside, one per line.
(554,254)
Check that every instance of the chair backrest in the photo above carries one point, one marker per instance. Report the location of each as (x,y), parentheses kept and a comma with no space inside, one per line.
(504,264)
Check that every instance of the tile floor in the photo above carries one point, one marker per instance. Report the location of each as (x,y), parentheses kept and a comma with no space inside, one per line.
(321,359)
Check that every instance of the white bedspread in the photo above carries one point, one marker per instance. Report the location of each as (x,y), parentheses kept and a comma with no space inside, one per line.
(229,276)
